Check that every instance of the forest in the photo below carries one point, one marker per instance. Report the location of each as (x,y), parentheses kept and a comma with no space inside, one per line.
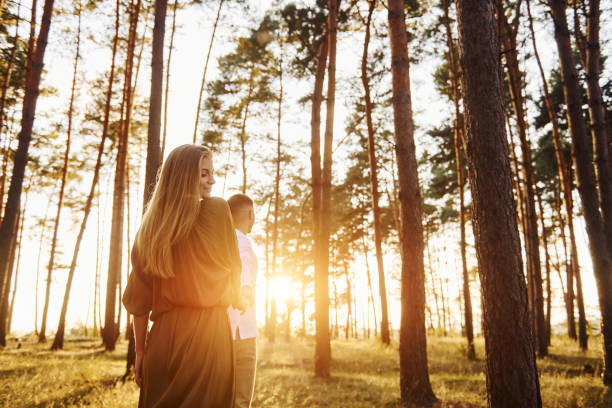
(431,180)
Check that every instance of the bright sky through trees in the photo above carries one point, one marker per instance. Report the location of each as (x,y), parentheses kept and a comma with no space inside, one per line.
(194,24)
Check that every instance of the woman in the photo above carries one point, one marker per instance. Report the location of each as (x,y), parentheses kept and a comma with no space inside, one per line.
(185,273)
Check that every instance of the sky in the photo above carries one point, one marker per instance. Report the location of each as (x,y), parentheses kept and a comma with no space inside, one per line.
(191,44)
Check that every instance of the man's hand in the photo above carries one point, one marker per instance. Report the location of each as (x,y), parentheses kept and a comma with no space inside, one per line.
(248,295)
(138,369)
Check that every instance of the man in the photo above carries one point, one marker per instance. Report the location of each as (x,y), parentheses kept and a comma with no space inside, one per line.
(244,324)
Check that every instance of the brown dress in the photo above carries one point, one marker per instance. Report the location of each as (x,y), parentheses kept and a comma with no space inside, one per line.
(188,360)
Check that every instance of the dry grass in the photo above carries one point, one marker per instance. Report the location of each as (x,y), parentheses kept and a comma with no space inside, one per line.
(364,374)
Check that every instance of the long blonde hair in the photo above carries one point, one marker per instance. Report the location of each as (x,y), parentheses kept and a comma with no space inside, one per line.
(172,210)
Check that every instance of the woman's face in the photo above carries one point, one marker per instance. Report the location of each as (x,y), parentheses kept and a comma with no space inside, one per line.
(206,176)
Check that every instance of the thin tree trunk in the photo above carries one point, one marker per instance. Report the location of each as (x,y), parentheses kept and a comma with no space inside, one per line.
(5,287)
(599,130)
(33,76)
(348,300)
(384,328)
(546,263)
(267,241)
(212,38)
(371,290)
(40,245)
(414,376)
(494,215)
(458,142)
(167,84)
(41,334)
(19,243)
(586,182)
(514,75)
(58,342)
(5,87)
(322,347)
(243,137)
(272,333)
(564,181)
(114,263)
(153,147)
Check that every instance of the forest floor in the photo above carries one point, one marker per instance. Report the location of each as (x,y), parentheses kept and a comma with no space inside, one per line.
(364,374)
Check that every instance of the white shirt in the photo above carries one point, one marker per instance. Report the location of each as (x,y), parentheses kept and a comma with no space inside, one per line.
(247,322)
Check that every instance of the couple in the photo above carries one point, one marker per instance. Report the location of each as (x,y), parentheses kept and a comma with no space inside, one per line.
(193,274)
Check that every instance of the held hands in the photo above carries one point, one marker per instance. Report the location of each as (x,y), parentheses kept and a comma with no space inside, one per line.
(246,299)
(138,369)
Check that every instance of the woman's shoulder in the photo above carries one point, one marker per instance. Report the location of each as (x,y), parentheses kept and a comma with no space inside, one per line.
(213,205)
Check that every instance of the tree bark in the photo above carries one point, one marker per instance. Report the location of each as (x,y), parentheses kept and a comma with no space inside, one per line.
(154,156)
(272,332)
(19,242)
(33,76)
(110,331)
(458,142)
(167,84)
(508,34)
(5,287)
(415,387)
(564,181)
(5,87)
(599,131)
(58,341)
(598,241)
(384,323)
(494,221)
(41,334)
(322,341)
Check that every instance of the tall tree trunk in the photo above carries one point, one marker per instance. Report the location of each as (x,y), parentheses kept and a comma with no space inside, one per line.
(41,334)
(546,263)
(243,135)
(564,181)
(598,241)
(415,387)
(40,245)
(370,289)
(267,273)
(348,300)
(157,81)
(458,142)
(599,130)
(384,323)
(58,341)
(494,221)
(272,332)
(110,331)
(153,146)
(33,75)
(212,39)
(322,347)
(508,34)
(5,287)
(19,242)
(167,84)
(5,87)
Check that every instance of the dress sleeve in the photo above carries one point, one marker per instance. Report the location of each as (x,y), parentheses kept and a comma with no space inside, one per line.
(138,294)
(218,243)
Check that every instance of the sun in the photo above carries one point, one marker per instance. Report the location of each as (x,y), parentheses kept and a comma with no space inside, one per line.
(282,289)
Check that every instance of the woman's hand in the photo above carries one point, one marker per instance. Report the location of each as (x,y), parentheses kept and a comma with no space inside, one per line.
(138,369)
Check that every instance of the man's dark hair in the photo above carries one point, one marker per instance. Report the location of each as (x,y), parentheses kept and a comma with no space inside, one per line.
(238,202)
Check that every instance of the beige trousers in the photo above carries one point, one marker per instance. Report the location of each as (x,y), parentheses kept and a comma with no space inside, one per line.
(246,362)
